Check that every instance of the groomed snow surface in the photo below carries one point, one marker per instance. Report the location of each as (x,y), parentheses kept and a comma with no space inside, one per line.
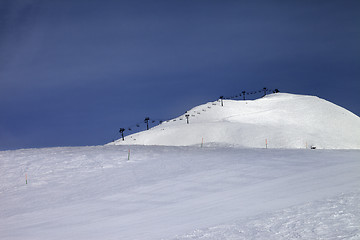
(278,120)
(179,193)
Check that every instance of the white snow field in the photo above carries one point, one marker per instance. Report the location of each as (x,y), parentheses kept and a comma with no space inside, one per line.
(244,170)
(179,193)
(278,120)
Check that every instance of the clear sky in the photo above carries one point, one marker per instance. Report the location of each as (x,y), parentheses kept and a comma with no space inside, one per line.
(72,72)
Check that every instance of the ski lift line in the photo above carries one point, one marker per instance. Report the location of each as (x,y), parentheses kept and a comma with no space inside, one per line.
(243,93)
(134,127)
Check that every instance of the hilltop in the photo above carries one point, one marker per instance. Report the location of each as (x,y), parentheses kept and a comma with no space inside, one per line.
(279,120)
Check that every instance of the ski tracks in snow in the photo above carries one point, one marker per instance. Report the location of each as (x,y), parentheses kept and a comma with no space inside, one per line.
(333,218)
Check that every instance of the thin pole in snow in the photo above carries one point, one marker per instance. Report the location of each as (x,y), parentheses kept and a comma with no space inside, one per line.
(202,141)
(26,178)
(266,143)
(129,154)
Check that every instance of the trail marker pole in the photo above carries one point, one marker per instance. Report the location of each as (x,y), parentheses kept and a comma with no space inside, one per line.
(129,155)
(266,143)
(25,178)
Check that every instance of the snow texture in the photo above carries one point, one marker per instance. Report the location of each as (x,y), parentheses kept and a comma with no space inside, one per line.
(179,193)
(336,218)
(278,120)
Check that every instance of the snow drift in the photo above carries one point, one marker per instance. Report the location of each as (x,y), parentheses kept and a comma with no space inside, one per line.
(278,120)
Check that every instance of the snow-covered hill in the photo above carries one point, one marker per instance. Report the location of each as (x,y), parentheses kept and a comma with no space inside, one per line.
(188,192)
(278,120)
(182,193)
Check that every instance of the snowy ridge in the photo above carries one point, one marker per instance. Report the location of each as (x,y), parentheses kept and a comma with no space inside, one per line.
(278,120)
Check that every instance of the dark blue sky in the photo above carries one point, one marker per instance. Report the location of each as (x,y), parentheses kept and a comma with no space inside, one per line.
(74,72)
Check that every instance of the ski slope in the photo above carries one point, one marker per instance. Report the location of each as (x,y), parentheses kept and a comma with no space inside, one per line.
(160,192)
(278,120)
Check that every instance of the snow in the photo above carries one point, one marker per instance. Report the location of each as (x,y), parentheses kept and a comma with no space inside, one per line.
(214,178)
(172,192)
(336,218)
(278,120)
